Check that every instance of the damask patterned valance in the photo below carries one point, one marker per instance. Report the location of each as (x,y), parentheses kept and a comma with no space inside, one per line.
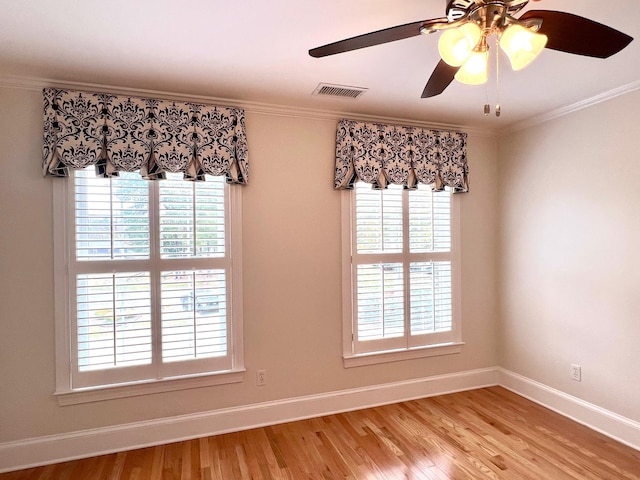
(124,133)
(382,154)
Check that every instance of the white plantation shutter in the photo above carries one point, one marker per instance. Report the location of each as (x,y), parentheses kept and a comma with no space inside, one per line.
(193,315)
(401,268)
(112,218)
(150,269)
(114,320)
(429,221)
(378,220)
(430,297)
(192,220)
(380,301)
(430,282)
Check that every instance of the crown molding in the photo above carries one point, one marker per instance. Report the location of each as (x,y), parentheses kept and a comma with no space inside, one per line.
(33,83)
(575,107)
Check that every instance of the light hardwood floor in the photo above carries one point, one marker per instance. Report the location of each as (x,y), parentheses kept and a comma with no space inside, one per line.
(482,434)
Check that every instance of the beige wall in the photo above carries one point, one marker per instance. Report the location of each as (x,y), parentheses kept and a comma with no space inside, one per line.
(292,277)
(569,253)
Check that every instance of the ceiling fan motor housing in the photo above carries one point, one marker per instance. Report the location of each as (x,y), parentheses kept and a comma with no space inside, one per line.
(458,9)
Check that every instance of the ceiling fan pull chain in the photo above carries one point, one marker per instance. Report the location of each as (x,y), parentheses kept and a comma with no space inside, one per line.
(498,110)
(487,107)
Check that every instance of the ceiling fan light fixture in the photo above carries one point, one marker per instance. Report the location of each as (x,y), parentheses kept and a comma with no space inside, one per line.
(467,25)
(456,45)
(521,45)
(475,70)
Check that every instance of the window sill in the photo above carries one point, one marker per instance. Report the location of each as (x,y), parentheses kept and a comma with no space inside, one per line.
(110,392)
(399,355)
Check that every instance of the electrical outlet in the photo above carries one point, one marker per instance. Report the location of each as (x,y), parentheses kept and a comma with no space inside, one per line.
(261,378)
(576,372)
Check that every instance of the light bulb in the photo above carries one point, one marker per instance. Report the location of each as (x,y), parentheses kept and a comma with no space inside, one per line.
(456,45)
(474,70)
(521,45)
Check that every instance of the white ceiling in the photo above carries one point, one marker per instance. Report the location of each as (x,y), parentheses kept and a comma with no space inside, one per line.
(257,51)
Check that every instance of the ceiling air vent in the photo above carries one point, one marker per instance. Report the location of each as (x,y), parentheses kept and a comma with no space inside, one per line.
(342,91)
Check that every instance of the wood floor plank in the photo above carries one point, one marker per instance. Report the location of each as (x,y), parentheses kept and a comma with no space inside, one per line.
(489,433)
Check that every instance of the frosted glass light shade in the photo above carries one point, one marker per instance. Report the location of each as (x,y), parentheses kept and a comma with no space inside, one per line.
(522,46)
(474,71)
(456,45)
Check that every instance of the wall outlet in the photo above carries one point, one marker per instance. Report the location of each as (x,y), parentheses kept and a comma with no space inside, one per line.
(261,378)
(576,372)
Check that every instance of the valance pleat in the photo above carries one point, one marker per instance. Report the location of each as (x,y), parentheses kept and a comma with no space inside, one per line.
(123,133)
(383,154)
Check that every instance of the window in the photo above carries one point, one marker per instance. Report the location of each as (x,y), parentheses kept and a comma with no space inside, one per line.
(151,287)
(400,274)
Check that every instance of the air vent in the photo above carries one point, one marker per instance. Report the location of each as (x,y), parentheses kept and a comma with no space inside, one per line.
(342,91)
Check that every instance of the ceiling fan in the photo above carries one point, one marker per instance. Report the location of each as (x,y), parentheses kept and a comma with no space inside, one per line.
(468,23)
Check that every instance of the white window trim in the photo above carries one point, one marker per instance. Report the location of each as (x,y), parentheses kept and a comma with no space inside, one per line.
(64,392)
(351,359)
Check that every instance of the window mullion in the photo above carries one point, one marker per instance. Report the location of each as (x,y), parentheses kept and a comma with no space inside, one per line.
(71,322)
(354,271)
(229,271)
(155,271)
(430,257)
(406,266)
(194,219)
(111,229)
(432,220)
(114,323)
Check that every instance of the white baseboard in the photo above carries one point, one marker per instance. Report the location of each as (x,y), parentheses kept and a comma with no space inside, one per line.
(87,443)
(615,426)
(58,448)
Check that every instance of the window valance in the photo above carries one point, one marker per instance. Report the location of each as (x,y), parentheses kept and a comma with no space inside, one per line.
(382,154)
(125,133)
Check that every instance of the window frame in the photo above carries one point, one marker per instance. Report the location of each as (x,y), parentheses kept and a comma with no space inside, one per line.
(64,298)
(452,345)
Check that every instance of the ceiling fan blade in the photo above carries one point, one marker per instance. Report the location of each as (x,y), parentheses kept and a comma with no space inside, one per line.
(440,79)
(374,38)
(578,35)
